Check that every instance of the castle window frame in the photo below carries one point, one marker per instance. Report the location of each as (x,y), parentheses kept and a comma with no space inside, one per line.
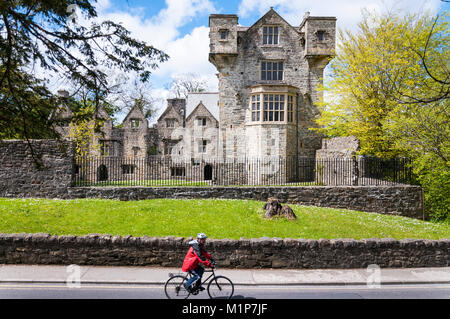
(271,34)
(320,35)
(290,108)
(128,169)
(256,108)
(272,70)
(201,121)
(171,122)
(223,34)
(177,171)
(276,107)
(135,123)
(202,144)
(273,107)
(107,148)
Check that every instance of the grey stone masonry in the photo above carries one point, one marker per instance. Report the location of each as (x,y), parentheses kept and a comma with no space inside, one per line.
(95,249)
(21,177)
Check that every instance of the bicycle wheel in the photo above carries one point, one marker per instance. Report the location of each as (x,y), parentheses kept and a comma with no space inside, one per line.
(220,287)
(174,288)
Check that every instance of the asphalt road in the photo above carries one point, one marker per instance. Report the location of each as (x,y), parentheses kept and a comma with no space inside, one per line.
(102,291)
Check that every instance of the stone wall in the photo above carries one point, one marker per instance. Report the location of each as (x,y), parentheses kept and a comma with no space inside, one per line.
(338,147)
(394,200)
(21,177)
(243,253)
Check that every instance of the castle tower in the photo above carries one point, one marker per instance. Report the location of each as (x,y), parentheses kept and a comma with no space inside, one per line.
(268,76)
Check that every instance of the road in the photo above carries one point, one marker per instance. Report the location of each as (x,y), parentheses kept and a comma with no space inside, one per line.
(116,291)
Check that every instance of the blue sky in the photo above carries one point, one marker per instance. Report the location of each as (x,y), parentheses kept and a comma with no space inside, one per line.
(180,27)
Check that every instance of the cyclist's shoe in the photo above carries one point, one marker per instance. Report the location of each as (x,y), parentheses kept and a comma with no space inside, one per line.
(195,292)
(201,288)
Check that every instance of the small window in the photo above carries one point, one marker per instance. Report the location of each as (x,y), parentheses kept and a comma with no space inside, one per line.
(202,121)
(272,71)
(290,108)
(168,146)
(128,169)
(136,151)
(320,35)
(177,171)
(270,35)
(107,148)
(170,122)
(223,34)
(202,146)
(134,123)
(256,106)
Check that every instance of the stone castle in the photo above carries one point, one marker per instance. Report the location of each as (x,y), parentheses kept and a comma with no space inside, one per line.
(268,74)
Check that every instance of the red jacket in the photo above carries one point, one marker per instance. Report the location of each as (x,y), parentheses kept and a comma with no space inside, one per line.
(195,255)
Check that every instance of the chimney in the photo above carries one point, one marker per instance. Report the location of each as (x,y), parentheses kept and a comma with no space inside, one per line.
(63,93)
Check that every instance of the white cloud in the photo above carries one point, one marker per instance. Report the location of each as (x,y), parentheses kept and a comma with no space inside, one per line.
(347,12)
(163,28)
(188,53)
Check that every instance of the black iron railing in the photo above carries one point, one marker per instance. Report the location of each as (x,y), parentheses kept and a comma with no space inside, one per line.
(170,171)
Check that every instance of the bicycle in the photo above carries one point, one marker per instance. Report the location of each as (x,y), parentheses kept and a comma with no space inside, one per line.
(219,287)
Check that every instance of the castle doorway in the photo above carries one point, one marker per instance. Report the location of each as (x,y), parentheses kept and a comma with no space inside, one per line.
(102,173)
(207,172)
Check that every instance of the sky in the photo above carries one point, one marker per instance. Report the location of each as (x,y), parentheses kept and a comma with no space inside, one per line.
(180,27)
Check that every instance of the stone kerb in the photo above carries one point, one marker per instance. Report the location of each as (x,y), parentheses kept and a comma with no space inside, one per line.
(95,249)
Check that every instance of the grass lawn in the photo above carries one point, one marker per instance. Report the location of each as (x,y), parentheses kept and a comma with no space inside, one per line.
(217,218)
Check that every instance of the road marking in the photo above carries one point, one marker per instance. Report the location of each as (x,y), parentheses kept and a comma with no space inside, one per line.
(75,288)
(62,286)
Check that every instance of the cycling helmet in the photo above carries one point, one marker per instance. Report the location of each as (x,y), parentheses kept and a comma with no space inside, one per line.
(201,236)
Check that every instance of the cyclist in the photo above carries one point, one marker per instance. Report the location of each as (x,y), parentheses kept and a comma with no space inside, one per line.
(195,255)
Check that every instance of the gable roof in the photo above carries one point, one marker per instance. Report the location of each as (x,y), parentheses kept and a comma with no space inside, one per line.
(209,100)
(198,107)
(100,112)
(272,12)
(168,108)
(134,108)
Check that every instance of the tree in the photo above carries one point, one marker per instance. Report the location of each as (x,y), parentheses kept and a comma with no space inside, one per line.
(375,71)
(390,88)
(140,95)
(185,84)
(41,33)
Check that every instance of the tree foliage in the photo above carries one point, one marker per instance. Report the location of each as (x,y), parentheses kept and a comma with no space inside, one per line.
(140,95)
(40,34)
(390,87)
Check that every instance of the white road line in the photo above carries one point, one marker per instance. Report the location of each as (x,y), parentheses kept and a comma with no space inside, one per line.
(299,289)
